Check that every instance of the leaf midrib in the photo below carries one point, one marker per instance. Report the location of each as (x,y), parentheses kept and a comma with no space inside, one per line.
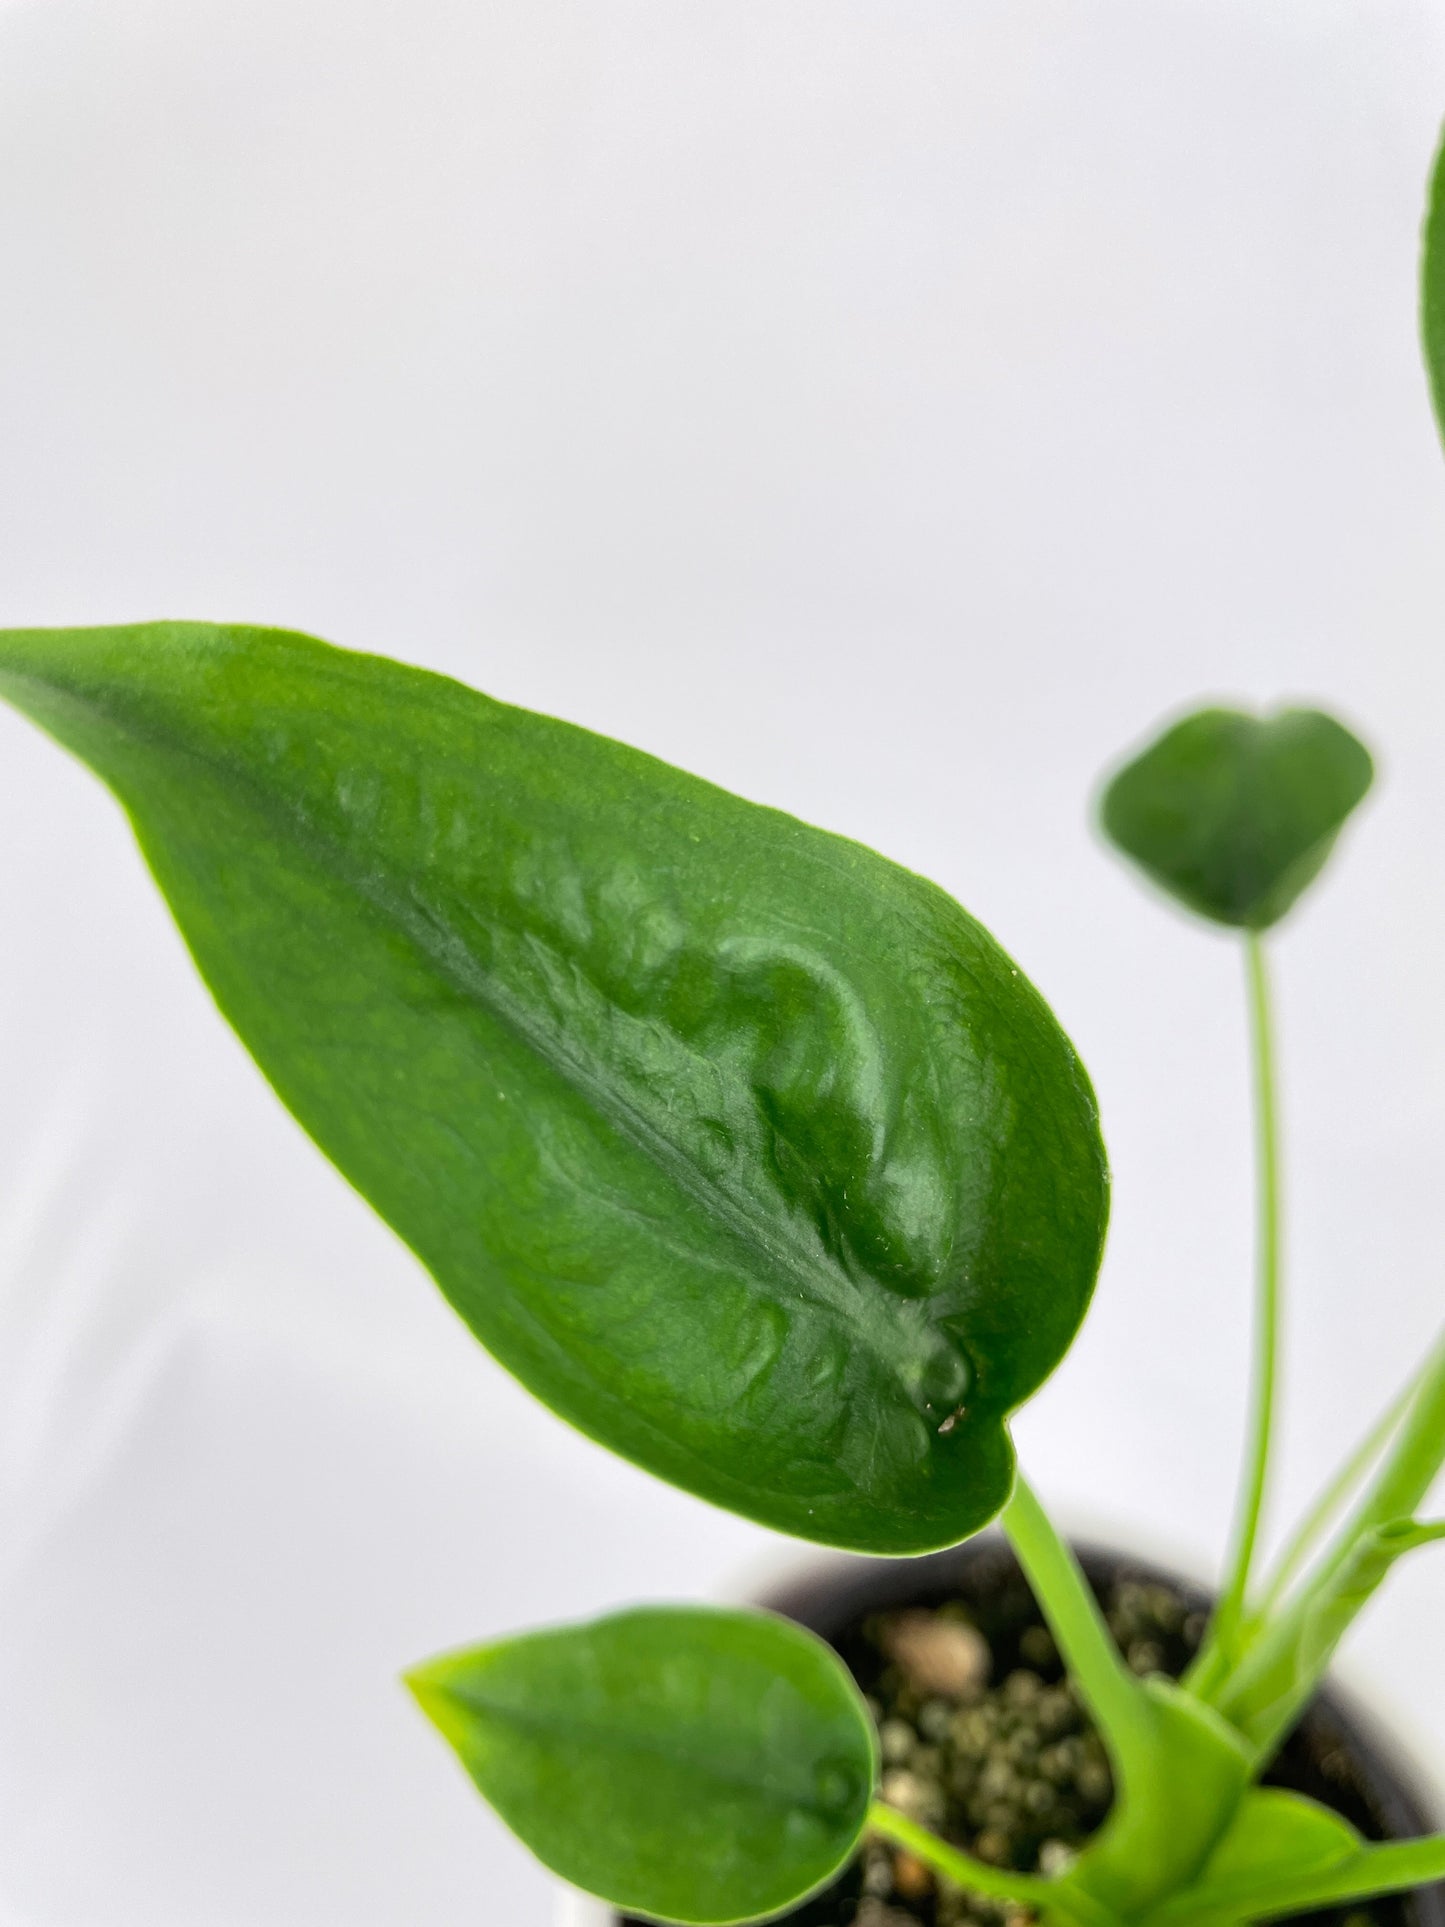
(569,1727)
(828,1286)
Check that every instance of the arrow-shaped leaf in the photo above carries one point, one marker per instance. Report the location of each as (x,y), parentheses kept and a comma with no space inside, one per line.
(750,1153)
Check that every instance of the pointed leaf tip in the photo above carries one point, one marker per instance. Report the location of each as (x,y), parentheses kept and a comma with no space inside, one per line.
(747,1151)
(698,1765)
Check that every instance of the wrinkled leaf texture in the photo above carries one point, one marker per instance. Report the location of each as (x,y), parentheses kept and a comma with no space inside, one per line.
(747,1151)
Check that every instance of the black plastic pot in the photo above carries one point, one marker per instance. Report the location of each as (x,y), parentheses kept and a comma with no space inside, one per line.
(1337,1754)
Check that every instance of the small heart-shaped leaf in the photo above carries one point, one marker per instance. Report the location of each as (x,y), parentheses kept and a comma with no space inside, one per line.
(1234,814)
(692,1764)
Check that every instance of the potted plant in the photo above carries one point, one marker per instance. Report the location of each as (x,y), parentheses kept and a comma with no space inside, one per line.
(756,1158)
(982,1737)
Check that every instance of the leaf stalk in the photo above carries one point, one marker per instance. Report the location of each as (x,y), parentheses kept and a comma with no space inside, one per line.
(962,1869)
(1222,1642)
(1114,1696)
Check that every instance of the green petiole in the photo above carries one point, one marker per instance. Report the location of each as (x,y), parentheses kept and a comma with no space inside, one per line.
(1111,1691)
(1400,1485)
(1312,1527)
(1411,1465)
(1221,1644)
(979,1877)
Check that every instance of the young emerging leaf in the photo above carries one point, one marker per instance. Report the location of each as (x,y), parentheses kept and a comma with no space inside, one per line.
(1233,814)
(1288,1653)
(1277,1676)
(750,1153)
(687,1763)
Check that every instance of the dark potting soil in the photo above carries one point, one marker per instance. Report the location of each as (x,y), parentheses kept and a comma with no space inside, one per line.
(984,1740)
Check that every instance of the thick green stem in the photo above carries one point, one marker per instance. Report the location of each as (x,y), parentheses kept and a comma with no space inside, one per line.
(978,1876)
(1221,1645)
(1113,1695)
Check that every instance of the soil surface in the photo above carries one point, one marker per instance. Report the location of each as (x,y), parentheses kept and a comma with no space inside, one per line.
(984,1740)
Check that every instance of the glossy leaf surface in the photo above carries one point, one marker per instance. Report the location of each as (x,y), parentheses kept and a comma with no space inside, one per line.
(1234,815)
(749,1152)
(691,1764)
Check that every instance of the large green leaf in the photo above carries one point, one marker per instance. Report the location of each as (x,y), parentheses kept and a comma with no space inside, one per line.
(1235,815)
(750,1153)
(1432,287)
(688,1763)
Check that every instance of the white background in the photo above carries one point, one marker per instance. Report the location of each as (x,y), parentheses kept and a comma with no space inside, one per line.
(887,408)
